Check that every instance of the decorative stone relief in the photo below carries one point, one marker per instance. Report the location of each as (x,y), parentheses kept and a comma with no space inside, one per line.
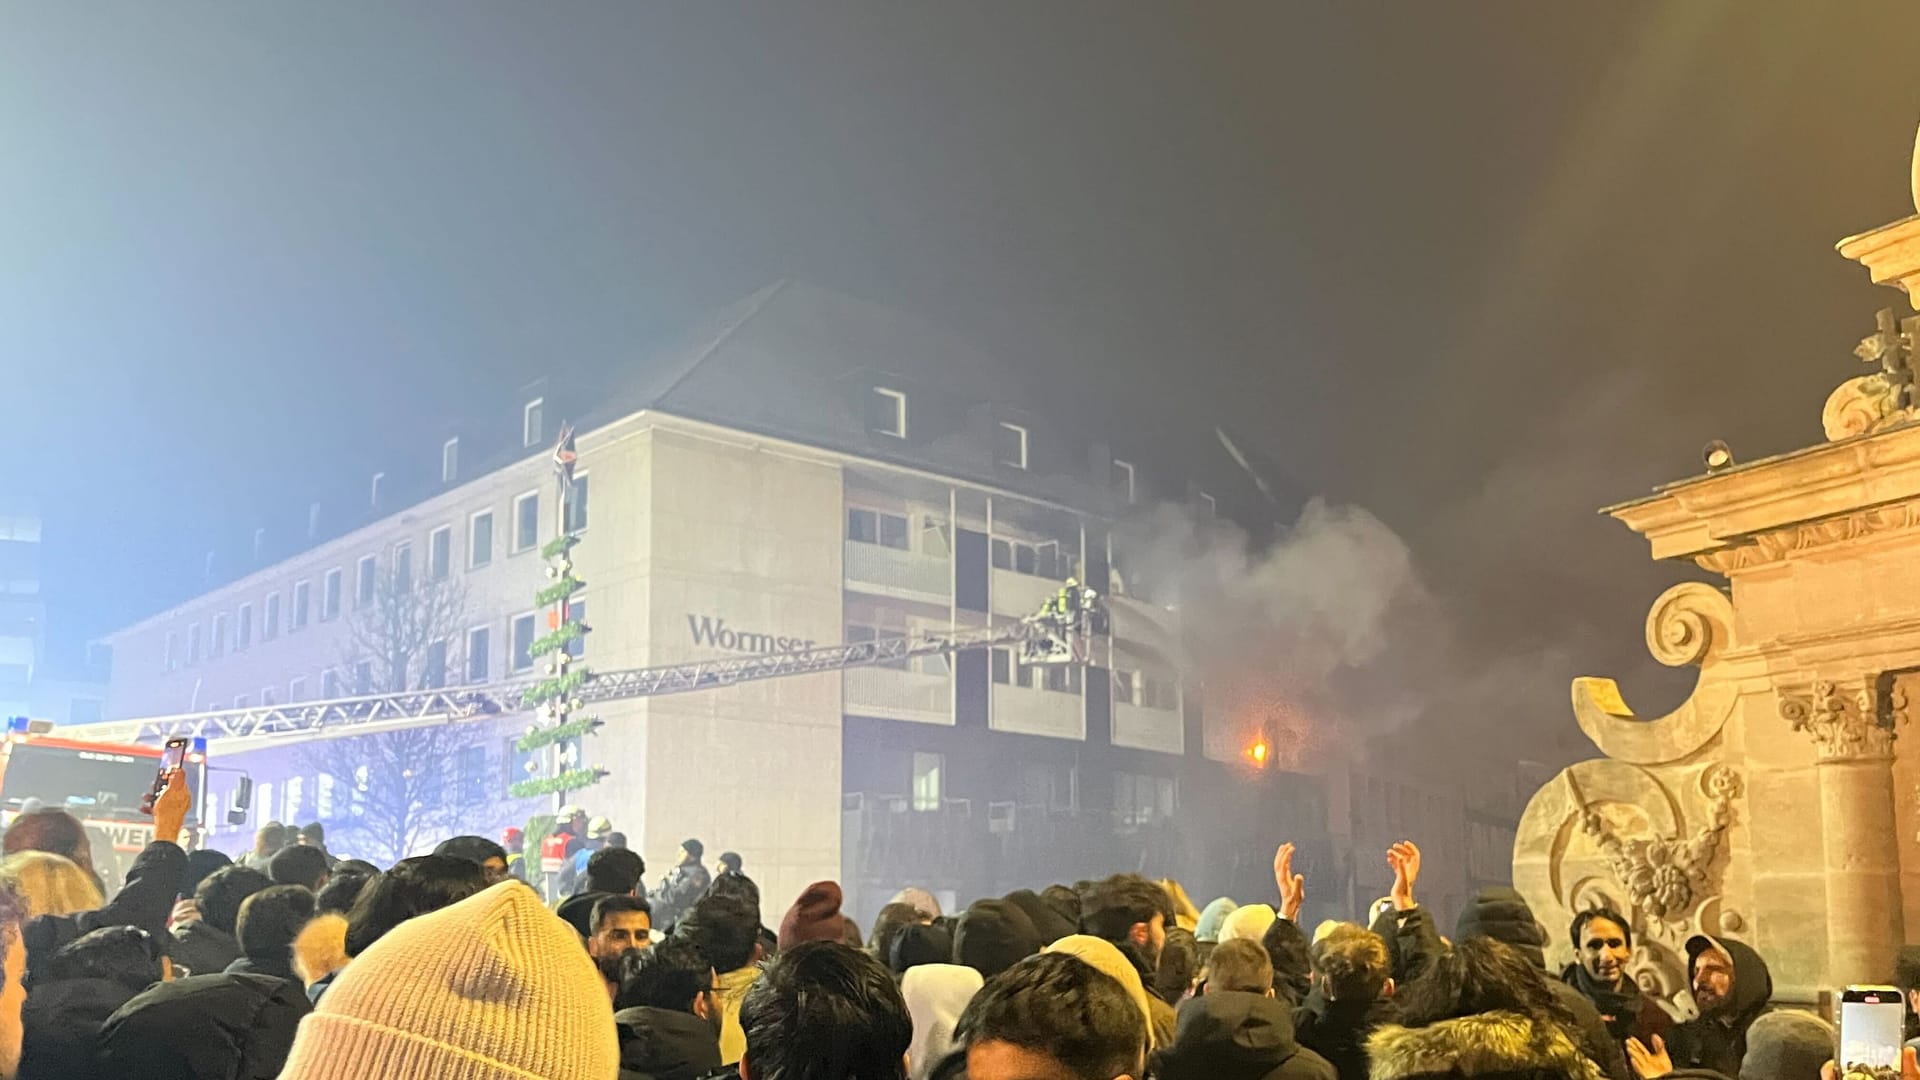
(1689,624)
(1861,405)
(1841,719)
(1663,874)
(1770,547)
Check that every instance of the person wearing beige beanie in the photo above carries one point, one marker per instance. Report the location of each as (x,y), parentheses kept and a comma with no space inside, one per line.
(1107,958)
(494,987)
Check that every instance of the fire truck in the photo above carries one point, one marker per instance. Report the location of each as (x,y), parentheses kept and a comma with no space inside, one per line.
(101,783)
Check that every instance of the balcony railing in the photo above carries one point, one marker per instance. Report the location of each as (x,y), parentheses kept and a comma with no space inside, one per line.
(1149,729)
(1139,622)
(892,572)
(1021,594)
(898,695)
(1027,711)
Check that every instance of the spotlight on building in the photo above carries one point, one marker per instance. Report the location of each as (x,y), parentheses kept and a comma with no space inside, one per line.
(1718,456)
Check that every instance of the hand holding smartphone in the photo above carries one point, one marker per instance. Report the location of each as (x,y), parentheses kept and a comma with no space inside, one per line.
(1873,1024)
(173,757)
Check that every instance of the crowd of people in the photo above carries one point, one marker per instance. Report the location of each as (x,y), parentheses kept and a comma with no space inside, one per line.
(293,963)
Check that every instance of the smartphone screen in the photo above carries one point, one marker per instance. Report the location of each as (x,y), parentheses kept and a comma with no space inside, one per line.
(1873,1021)
(171,758)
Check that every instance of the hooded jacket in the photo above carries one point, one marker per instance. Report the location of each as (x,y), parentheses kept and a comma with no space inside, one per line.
(1486,1046)
(936,995)
(202,948)
(666,1044)
(1628,1013)
(1338,1030)
(1234,1035)
(236,1026)
(62,1022)
(1503,915)
(1718,1042)
(679,890)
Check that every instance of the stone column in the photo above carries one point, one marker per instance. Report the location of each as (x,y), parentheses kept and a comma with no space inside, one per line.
(1865,924)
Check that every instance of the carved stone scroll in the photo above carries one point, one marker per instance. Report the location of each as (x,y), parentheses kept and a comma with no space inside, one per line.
(1689,624)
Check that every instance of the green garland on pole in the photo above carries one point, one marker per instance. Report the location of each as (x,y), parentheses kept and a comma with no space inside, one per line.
(559,639)
(539,738)
(558,591)
(572,780)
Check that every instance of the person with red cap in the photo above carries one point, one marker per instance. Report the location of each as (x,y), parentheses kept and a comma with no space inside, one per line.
(815,916)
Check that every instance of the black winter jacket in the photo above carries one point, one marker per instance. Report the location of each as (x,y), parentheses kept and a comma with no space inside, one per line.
(240,1027)
(202,949)
(662,1044)
(62,1021)
(1338,1030)
(1719,1042)
(1234,1035)
(145,901)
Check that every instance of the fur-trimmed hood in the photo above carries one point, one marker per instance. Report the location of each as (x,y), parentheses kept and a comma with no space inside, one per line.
(1495,1044)
(321,948)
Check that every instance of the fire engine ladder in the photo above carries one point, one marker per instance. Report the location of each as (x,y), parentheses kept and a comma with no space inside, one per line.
(236,730)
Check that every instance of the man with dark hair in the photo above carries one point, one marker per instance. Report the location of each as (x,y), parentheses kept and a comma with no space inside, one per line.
(342,888)
(1352,995)
(1052,1015)
(992,936)
(668,1013)
(688,882)
(610,872)
(1133,913)
(1731,985)
(269,921)
(1602,948)
(825,1012)
(1240,966)
(207,944)
(490,857)
(726,931)
(619,923)
(302,866)
(314,835)
(412,888)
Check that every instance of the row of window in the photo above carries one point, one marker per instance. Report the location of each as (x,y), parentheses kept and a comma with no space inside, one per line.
(435,668)
(1042,558)
(887,415)
(1138,799)
(1060,678)
(524,535)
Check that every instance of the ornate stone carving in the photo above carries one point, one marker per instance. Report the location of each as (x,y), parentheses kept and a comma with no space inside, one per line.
(1842,721)
(1769,547)
(1861,405)
(1689,624)
(1663,874)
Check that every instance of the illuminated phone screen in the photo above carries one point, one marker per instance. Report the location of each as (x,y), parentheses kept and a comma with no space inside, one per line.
(1872,1028)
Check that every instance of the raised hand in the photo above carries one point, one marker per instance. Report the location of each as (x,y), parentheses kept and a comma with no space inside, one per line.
(170,809)
(1404,858)
(1654,1063)
(1293,887)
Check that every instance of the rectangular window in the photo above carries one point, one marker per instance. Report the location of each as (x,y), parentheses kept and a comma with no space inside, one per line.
(217,648)
(480,539)
(434,672)
(927,770)
(479,651)
(193,644)
(470,771)
(270,620)
(302,604)
(1011,446)
(878,527)
(449,460)
(1062,678)
(243,631)
(296,689)
(577,611)
(1023,676)
(1123,687)
(296,787)
(522,658)
(1123,480)
(323,796)
(402,567)
(330,595)
(1002,666)
(526,521)
(330,685)
(439,553)
(893,531)
(364,582)
(1002,554)
(577,504)
(363,677)
(887,412)
(531,421)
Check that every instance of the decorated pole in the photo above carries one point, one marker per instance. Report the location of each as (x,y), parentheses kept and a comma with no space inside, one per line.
(554,699)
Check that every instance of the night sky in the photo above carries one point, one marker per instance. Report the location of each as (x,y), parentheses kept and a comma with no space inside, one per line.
(1478,267)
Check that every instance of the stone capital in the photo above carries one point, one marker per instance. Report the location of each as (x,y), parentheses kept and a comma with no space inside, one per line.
(1843,718)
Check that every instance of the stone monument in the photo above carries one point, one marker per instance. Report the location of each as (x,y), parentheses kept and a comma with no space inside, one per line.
(1780,803)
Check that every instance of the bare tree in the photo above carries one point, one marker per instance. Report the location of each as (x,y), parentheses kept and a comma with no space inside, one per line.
(397,791)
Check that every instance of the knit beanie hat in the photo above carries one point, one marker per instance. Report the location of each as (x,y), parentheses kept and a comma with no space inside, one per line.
(1247,923)
(916,945)
(814,917)
(1212,917)
(1050,923)
(1787,1045)
(1502,914)
(491,988)
(992,936)
(1107,957)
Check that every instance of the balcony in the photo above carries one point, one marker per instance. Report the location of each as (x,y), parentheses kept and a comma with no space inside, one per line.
(1052,713)
(1143,728)
(1021,594)
(908,575)
(1148,625)
(892,694)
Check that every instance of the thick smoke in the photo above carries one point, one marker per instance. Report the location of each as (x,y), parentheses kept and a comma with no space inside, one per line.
(1302,640)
